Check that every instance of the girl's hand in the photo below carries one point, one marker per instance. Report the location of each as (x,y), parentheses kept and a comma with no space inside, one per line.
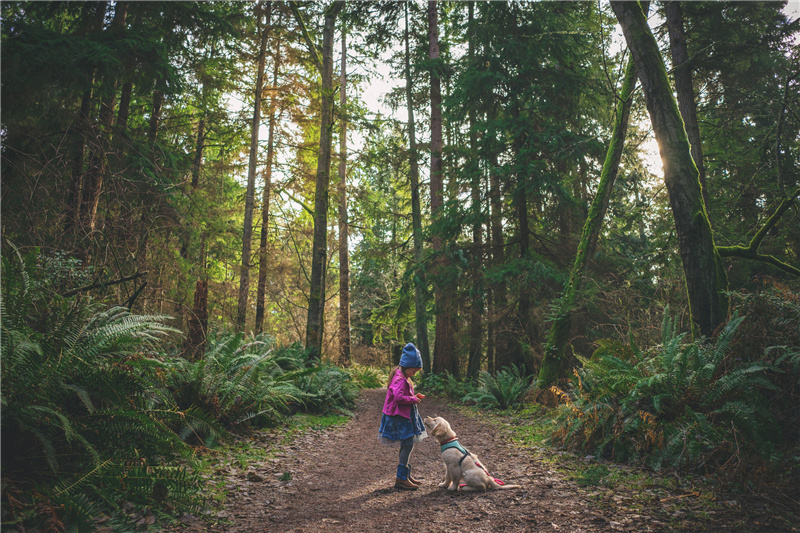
(420,395)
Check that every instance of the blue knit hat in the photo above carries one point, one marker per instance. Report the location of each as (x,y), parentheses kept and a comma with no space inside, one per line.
(410,357)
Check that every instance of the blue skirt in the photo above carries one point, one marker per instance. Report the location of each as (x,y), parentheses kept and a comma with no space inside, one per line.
(396,428)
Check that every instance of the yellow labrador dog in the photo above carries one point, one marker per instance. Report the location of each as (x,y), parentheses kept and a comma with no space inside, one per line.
(463,471)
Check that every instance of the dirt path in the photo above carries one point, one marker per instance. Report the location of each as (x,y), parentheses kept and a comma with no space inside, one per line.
(342,479)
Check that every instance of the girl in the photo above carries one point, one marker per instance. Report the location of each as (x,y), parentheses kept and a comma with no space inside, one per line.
(401,424)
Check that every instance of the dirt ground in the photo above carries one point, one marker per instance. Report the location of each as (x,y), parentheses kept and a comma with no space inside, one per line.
(342,479)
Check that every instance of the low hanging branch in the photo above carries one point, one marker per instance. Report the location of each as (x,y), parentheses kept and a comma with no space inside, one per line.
(751,250)
(99,284)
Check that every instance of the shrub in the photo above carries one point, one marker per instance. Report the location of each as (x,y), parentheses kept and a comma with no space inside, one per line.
(445,384)
(507,389)
(327,389)
(367,377)
(691,405)
(238,383)
(81,405)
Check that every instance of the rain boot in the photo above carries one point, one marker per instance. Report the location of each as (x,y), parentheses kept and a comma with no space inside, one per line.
(402,482)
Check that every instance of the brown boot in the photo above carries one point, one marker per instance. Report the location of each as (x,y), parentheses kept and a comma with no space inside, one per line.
(404,484)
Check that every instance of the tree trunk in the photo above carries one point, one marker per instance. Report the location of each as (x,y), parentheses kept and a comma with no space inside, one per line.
(499,292)
(702,266)
(247,230)
(155,117)
(554,354)
(420,285)
(94,13)
(682,73)
(98,166)
(444,356)
(344,253)
(262,251)
(316,299)
(522,356)
(196,337)
(476,296)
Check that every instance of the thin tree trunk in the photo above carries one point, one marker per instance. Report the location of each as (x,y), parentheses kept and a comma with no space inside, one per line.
(420,285)
(80,128)
(247,230)
(554,354)
(98,167)
(344,253)
(155,117)
(702,266)
(262,251)
(685,90)
(499,292)
(196,338)
(444,356)
(476,296)
(522,357)
(316,299)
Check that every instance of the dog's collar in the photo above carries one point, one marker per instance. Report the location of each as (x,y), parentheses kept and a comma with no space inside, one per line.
(448,441)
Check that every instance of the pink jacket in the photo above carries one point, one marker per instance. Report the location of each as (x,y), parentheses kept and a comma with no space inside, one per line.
(400,396)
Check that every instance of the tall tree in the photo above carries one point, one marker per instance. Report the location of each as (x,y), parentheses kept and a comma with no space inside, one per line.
(702,265)
(558,337)
(444,354)
(316,299)
(476,289)
(684,88)
(265,198)
(247,232)
(344,228)
(99,161)
(420,279)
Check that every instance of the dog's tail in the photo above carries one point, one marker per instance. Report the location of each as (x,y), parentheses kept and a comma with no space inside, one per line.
(497,484)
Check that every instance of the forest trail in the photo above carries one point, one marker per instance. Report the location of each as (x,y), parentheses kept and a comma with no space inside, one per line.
(341,479)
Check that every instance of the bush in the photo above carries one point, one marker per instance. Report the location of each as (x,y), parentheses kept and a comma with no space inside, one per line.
(237,384)
(507,389)
(445,384)
(83,416)
(367,377)
(689,405)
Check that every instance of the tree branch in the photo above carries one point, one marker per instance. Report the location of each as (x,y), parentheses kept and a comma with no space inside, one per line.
(751,250)
(99,284)
(311,46)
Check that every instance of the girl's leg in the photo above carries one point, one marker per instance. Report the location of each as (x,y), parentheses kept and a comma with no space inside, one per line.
(406,446)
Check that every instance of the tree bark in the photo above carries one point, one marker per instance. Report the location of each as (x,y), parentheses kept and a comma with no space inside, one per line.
(499,292)
(316,299)
(702,266)
(420,279)
(444,357)
(98,166)
(196,338)
(247,230)
(554,354)
(682,72)
(262,251)
(476,296)
(344,230)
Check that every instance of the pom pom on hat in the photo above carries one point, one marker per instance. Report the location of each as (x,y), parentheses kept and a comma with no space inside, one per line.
(410,357)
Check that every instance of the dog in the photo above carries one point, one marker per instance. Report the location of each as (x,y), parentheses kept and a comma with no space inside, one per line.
(463,471)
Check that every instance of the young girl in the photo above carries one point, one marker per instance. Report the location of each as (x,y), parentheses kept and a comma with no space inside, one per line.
(401,424)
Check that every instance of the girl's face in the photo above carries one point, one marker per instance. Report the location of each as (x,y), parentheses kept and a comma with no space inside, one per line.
(410,372)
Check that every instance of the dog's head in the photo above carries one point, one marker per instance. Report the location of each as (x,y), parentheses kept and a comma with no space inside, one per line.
(439,428)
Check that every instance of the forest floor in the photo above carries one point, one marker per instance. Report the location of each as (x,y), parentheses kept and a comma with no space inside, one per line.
(339,478)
